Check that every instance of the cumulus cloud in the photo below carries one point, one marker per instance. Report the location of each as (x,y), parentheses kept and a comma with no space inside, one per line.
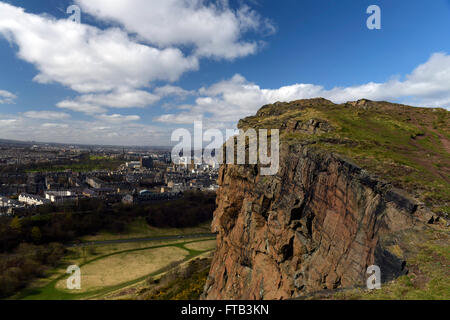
(428,85)
(122,98)
(46,115)
(6,97)
(55,125)
(99,102)
(213,29)
(77,106)
(181,118)
(169,90)
(85,58)
(110,68)
(118,118)
(95,131)
(7,122)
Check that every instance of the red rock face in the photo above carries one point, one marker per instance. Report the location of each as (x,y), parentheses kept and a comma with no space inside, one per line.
(316,225)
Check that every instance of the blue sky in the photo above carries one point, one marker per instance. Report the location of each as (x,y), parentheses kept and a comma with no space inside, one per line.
(135,70)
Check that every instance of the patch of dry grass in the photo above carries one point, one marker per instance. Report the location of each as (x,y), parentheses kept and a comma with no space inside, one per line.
(202,246)
(124,267)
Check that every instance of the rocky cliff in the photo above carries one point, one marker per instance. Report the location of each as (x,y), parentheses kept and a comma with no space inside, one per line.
(322,220)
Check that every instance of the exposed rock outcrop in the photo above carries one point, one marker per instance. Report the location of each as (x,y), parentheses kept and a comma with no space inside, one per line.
(318,224)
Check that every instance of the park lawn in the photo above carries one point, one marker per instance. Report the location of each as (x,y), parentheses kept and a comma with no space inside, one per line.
(140,229)
(80,255)
(202,245)
(50,290)
(125,267)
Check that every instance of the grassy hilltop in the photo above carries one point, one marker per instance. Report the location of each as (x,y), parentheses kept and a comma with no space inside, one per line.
(407,146)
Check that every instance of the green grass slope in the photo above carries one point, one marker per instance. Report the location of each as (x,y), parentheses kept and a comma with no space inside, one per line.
(406,146)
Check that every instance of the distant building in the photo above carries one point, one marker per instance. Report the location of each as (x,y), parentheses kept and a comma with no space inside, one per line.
(133,165)
(105,191)
(213,187)
(9,203)
(90,193)
(178,187)
(60,196)
(128,199)
(32,200)
(147,162)
(146,195)
(95,183)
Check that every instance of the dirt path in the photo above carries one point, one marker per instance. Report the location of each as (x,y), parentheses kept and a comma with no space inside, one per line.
(186,236)
(427,159)
(445,142)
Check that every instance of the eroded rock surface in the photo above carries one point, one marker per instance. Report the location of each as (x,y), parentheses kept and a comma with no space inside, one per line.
(318,224)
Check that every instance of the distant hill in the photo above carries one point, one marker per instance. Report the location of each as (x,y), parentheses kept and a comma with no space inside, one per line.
(86,146)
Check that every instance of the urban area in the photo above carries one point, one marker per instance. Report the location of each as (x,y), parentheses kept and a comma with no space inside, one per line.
(33,175)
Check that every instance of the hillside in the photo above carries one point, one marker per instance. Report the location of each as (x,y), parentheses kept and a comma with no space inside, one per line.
(360,183)
(407,146)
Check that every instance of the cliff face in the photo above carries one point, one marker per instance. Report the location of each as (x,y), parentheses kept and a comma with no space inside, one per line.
(318,224)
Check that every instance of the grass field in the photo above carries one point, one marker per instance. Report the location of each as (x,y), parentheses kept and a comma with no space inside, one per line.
(140,229)
(125,267)
(108,268)
(202,245)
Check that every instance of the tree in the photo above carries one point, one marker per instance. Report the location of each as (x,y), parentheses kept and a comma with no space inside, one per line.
(16,224)
(36,234)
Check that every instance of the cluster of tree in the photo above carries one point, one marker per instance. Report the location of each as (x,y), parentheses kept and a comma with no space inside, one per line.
(25,263)
(49,225)
(191,210)
(87,217)
(85,164)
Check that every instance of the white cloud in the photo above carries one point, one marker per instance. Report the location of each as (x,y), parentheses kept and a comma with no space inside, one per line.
(55,125)
(428,86)
(7,122)
(85,58)
(109,67)
(118,118)
(46,115)
(99,102)
(7,97)
(181,118)
(169,90)
(100,130)
(213,29)
(78,106)
(122,98)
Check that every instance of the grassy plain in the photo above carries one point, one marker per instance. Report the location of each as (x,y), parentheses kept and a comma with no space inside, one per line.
(108,268)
